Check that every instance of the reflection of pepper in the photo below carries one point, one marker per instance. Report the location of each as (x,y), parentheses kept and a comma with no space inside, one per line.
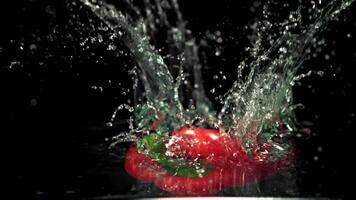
(212,162)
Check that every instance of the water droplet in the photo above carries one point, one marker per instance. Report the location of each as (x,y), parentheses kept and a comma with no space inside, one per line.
(100,38)
(327,57)
(111,47)
(33,102)
(33,47)
(13,64)
(282,50)
(320,73)
(217,53)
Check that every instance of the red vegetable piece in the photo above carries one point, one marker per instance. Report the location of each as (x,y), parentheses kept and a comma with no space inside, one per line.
(231,166)
(145,169)
(202,143)
(141,166)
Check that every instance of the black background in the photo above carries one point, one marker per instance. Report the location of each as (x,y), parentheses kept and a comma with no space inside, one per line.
(53,131)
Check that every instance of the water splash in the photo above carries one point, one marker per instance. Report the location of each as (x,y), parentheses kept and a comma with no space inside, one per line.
(161,91)
(265,96)
(259,104)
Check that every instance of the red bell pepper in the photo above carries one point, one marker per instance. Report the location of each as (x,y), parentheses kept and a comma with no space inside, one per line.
(198,161)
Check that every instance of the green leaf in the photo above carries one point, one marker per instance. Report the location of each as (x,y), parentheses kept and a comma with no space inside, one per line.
(151,143)
(153,146)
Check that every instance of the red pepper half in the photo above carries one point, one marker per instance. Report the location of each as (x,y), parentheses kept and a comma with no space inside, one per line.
(222,160)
